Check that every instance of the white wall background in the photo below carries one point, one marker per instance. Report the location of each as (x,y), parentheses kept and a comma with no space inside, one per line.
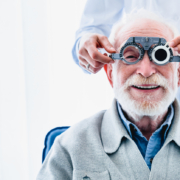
(40,85)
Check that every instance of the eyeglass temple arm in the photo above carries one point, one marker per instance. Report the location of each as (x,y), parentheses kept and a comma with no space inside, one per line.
(115,56)
(175,59)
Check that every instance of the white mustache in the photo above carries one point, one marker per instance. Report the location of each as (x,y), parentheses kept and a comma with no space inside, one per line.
(155,79)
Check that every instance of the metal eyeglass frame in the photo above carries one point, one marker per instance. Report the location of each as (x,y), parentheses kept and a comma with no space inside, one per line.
(147,42)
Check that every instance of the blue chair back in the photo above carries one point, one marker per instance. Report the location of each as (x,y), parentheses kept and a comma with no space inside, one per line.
(50,137)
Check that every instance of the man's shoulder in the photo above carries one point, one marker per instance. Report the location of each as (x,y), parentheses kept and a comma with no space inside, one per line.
(92,123)
(83,131)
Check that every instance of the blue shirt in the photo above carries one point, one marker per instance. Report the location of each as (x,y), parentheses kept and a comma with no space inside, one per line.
(100,15)
(147,148)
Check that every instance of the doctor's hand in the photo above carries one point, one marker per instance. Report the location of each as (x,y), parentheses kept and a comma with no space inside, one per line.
(175,44)
(89,56)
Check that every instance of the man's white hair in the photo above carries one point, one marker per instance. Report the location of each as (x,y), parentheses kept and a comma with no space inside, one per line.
(139,15)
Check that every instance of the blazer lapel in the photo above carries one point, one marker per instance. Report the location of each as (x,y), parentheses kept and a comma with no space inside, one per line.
(120,148)
(166,163)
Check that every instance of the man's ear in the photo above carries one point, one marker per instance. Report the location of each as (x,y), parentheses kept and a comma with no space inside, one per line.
(108,70)
(178,74)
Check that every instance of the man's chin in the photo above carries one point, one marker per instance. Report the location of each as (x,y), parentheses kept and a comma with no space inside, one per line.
(148,108)
(145,106)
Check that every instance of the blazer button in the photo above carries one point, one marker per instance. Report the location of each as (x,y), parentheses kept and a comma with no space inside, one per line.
(86,178)
(151,160)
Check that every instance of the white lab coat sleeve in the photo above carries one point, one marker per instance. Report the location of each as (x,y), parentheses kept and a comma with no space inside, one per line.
(98,17)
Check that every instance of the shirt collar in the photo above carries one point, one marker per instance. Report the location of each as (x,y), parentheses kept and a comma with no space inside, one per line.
(165,126)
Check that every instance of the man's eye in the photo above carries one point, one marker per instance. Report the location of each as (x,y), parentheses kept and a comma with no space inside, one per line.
(130,57)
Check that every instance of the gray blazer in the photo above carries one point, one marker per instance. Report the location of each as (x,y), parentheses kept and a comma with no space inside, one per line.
(99,148)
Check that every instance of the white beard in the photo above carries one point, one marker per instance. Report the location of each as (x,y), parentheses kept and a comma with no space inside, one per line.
(147,106)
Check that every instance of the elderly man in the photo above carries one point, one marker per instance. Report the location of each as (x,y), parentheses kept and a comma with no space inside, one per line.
(139,136)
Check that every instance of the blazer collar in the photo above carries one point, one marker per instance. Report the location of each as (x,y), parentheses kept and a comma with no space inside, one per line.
(112,130)
(174,131)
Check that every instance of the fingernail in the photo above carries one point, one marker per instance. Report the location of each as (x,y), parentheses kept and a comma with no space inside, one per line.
(111,62)
(112,48)
(171,44)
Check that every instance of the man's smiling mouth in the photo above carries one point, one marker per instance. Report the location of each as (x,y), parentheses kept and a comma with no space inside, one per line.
(146,87)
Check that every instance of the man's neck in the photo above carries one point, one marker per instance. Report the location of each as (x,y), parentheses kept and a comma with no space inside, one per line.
(147,124)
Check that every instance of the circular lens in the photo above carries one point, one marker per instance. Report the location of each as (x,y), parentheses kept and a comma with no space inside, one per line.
(160,54)
(131,54)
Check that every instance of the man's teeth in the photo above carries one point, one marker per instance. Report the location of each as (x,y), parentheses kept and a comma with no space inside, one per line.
(146,87)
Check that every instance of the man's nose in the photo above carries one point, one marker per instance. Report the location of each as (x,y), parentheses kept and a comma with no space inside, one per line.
(146,67)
